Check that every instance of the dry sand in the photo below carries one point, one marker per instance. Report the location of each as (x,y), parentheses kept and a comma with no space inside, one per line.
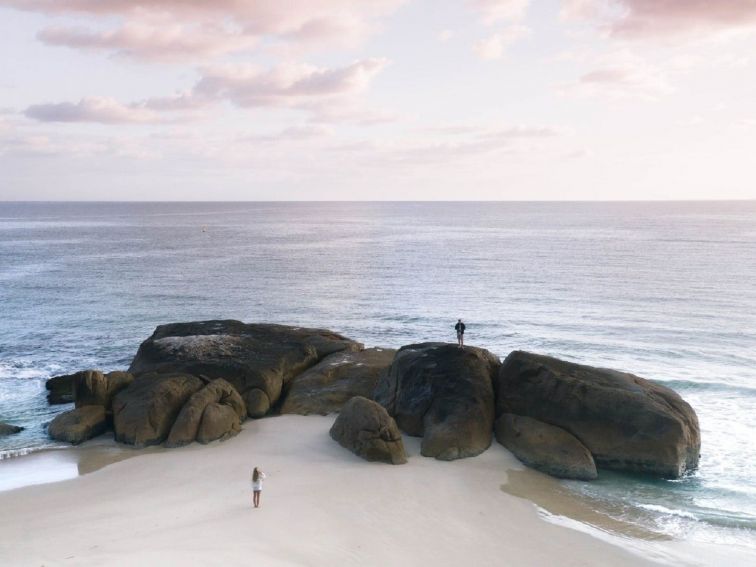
(321,506)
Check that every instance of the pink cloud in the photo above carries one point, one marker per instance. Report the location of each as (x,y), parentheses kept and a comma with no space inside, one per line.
(328,94)
(173,29)
(91,109)
(286,85)
(620,74)
(638,19)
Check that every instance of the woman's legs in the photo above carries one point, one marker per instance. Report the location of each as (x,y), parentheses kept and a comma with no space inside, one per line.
(256,498)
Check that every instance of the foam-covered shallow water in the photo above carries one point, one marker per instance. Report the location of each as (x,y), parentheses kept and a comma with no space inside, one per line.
(664,290)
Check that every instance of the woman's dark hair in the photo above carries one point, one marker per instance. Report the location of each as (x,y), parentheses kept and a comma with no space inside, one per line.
(255,475)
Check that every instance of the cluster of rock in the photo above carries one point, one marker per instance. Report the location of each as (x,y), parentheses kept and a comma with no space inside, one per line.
(199,381)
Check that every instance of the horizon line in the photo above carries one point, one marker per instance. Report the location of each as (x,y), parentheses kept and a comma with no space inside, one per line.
(136,201)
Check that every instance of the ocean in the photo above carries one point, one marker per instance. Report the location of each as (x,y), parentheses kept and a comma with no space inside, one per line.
(663,290)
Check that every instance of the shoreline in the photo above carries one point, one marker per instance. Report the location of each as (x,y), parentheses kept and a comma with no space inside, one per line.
(343,510)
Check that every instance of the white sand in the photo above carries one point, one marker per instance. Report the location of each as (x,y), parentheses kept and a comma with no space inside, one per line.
(321,506)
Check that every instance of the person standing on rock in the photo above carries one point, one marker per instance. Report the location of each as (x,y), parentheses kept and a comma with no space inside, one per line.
(460,328)
(257,482)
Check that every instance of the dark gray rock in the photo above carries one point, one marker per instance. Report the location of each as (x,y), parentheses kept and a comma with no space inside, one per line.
(626,422)
(8,429)
(365,428)
(328,385)
(144,412)
(60,389)
(249,356)
(544,447)
(197,415)
(78,425)
(444,394)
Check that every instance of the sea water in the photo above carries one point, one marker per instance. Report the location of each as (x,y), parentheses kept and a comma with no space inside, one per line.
(664,290)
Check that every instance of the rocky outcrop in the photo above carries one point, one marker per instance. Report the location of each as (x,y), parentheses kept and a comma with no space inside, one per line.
(251,357)
(78,425)
(328,385)
(60,389)
(444,394)
(93,388)
(144,412)
(8,429)
(544,447)
(214,412)
(626,422)
(365,428)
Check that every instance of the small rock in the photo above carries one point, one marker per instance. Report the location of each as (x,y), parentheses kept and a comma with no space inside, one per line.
(8,429)
(78,425)
(365,428)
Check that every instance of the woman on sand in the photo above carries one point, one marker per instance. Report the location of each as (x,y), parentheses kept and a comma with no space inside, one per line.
(257,482)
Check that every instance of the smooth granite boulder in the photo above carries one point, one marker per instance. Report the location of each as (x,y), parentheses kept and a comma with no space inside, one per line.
(60,389)
(365,428)
(444,394)
(249,356)
(93,388)
(144,412)
(200,414)
(257,401)
(626,422)
(219,421)
(328,385)
(78,425)
(8,429)
(544,447)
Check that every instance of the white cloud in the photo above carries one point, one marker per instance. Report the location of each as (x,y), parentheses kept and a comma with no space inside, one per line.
(495,46)
(495,11)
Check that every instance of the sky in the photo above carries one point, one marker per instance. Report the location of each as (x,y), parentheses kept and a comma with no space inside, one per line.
(377,99)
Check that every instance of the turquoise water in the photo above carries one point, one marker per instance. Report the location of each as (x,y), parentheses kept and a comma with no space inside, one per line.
(664,290)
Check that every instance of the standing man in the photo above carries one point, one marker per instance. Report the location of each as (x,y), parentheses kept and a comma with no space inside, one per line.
(460,328)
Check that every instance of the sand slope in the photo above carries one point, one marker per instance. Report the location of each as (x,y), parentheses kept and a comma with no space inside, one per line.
(321,506)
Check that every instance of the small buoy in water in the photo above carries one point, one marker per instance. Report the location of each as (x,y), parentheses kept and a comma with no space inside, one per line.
(204,228)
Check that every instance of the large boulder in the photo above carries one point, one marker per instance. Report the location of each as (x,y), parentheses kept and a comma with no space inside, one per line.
(626,422)
(8,429)
(78,425)
(260,357)
(544,447)
(328,385)
(365,428)
(443,393)
(144,412)
(93,388)
(60,389)
(205,417)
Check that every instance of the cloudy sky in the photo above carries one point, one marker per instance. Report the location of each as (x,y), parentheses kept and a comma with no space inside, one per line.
(377,99)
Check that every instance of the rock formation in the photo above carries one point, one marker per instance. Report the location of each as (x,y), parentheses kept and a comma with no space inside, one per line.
(328,385)
(144,413)
(444,394)
(257,359)
(214,412)
(8,429)
(78,425)
(60,389)
(626,422)
(544,447)
(365,428)
(93,388)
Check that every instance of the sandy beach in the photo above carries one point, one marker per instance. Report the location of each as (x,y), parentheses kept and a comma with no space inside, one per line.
(321,506)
